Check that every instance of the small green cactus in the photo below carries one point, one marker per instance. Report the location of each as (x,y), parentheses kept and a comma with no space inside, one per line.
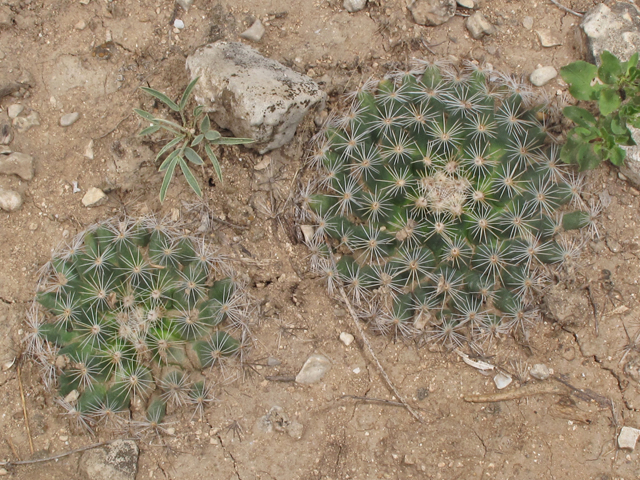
(442,196)
(133,309)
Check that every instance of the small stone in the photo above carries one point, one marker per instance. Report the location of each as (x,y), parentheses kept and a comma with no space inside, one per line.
(273,362)
(314,369)
(72,397)
(262,164)
(88,151)
(432,12)
(81,25)
(543,75)
(14,110)
(470,4)
(171,431)
(352,6)
(540,371)
(185,4)
(3,472)
(116,461)
(94,197)
(547,39)
(622,176)
(308,232)
(22,124)
(502,380)
(527,22)
(479,26)
(346,338)
(6,16)
(19,164)
(63,438)
(613,245)
(69,119)
(628,437)
(179,24)
(295,430)
(254,33)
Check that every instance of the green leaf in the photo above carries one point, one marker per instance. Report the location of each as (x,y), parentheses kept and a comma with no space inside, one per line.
(586,158)
(145,115)
(168,160)
(197,140)
(609,101)
(214,160)
(169,146)
(162,97)
(205,125)
(212,135)
(610,68)
(635,122)
(197,111)
(193,156)
(187,92)
(580,116)
(617,156)
(579,75)
(188,174)
(232,141)
(632,63)
(167,179)
(149,130)
(618,127)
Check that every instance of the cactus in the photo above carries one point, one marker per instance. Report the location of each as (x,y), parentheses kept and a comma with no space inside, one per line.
(444,204)
(133,309)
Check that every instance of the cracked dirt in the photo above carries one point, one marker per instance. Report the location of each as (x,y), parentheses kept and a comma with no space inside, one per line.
(588,337)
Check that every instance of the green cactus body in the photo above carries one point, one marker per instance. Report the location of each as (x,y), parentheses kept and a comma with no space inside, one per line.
(132,308)
(442,198)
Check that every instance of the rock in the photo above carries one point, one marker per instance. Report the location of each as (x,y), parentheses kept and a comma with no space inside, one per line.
(316,366)
(352,6)
(615,28)
(116,461)
(540,371)
(69,119)
(22,124)
(631,167)
(547,39)
(185,4)
(10,200)
(6,16)
(431,12)
(502,380)
(3,472)
(6,134)
(527,22)
(273,362)
(308,232)
(94,197)
(254,33)
(81,25)
(295,430)
(251,95)
(19,164)
(470,4)
(628,437)
(543,75)
(88,151)
(346,338)
(179,24)
(14,110)
(479,26)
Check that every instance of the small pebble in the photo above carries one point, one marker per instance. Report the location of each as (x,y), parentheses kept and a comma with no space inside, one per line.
(17,163)
(502,380)
(72,397)
(543,75)
(346,338)
(295,430)
(527,23)
(81,25)
(479,26)
(262,164)
(10,200)
(314,369)
(356,370)
(255,32)
(622,176)
(273,362)
(308,232)
(628,437)
(547,39)
(179,24)
(88,151)
(540,371)
(69,119)
(3,472)
(171,431)
(14,110)
(353,6)
(470,4)
(94,197)
(63,438)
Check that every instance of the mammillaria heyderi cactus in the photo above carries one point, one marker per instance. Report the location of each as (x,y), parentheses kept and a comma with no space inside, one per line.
(444,204)
(134,309)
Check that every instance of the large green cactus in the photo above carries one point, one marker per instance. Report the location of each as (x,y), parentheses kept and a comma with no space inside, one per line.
(443,200)
(130,309)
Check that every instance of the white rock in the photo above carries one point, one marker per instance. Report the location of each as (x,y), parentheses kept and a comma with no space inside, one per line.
(527,22)
(10,200)
(431,12)
(19,164)
(88,151)
(502,380)
(540,371)
(470,4)
(615,28)
(116,461)
(255,32)
(479,26)
(543,75)
(94,197)
(346,338)
(69,119)
(628,437)
(72,397)
(352,6)
(308,232)
(81,25)
(179,24)
(3,472)
(631,167)
(14,110)
(547,39)
(251,95)
(316,366)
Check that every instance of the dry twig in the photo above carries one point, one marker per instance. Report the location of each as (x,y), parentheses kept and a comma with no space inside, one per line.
(568,10)
(525,391)
(56,457)
(24,409)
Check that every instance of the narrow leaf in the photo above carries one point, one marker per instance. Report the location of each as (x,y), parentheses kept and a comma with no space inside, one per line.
(167,179)
(212,135)
(193,156)
(169,146)
(214,160)
(232,141)
(149,130)
(193,183)
(145,115)
(168,160)
(162,97)
(205,125)
(197,140)
(187,92)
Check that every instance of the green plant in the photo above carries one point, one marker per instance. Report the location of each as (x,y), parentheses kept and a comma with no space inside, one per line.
(193,133)
(439,204)
(133,309)
(614,86)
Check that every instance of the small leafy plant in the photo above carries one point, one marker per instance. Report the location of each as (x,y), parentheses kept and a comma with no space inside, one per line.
(615,87)
(192,135)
